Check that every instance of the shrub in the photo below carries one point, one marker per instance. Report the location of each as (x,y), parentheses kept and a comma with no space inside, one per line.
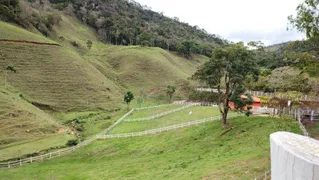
(75,44)
(72,142)
(80,129)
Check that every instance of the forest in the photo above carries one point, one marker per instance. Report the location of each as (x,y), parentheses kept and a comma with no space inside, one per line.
(119,22)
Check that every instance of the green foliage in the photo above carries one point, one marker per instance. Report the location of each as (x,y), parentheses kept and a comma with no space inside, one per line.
(11,68)
(240,101)
(89,44)
(288,79)
(203,96)
(170,92)
(72,142)
(233,63)
(307,18)
(9,10)
(128,97)
(128,23)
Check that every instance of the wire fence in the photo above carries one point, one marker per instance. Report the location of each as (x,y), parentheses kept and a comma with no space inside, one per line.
(164,129)
(40,158)
(158,115)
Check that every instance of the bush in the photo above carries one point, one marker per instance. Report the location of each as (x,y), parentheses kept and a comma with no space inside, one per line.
(75,44)
(79,129)
(72,142)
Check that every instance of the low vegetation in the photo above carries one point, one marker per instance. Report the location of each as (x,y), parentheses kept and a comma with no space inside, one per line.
(191,153)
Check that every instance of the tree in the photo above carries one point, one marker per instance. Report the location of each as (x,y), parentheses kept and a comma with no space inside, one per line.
(228,68)
(89,44)
(128,97)
(170,92)
(307,18)
(9,68)
(288,79)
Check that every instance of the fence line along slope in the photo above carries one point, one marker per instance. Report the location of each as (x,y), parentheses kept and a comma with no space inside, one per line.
(179,117)
(187,153)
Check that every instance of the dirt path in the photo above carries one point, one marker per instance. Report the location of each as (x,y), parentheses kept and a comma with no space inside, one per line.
(29,42)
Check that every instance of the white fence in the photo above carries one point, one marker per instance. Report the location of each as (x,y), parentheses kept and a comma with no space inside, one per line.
(184,102)
(158,115)
(152,107)
(61,152)
(164,129)
(261,93)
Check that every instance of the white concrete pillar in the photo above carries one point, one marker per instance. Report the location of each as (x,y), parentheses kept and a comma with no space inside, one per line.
(294,157)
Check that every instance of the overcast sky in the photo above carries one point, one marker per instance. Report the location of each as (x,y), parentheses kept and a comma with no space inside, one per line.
(235,20)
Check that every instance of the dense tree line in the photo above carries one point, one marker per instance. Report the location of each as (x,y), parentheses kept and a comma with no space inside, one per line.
(123,22)
(24,14)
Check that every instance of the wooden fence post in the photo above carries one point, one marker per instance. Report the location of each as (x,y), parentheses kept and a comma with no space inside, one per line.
(312,114)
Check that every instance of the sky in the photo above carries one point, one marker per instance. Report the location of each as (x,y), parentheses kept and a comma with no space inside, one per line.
(234,20)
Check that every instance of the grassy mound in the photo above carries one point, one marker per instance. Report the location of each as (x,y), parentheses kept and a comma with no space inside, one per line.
(192,153)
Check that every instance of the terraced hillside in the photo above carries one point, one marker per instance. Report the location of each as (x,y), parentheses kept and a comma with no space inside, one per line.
(68,78)
(72,78)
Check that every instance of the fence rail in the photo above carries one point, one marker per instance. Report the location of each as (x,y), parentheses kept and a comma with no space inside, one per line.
(164,129)
(152,107)
(30,160)
(184,102)
(261,93)
(158,115)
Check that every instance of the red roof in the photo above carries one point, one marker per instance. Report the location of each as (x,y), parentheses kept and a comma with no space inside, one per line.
(255,99)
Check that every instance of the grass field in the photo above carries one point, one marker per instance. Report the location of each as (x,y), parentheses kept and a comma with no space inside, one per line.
(8,31)
(171,119)
(313,129)
(191,153)
(151,112)
(36,145)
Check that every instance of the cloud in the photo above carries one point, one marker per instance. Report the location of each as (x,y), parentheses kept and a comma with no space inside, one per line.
(240,20)
(267,37)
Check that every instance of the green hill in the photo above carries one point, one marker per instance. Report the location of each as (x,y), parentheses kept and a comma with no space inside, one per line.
(69,78)
(192,153)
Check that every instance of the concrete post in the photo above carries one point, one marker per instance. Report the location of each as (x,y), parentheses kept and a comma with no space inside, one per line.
(294,157)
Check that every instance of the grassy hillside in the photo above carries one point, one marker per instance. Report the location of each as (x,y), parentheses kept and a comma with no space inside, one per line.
(192,153)
(56,78)
(9,31)
(18,118)
(72,79)
(25,129)
(69,78)
(136,67)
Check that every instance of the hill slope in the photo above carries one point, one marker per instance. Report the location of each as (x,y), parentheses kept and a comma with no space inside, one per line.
(72,78)
(69,78)
(20,120)
(192,153)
